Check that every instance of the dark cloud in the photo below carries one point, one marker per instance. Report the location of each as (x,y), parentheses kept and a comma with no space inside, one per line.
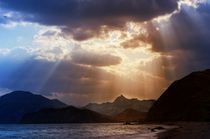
(84,18)
(84,57)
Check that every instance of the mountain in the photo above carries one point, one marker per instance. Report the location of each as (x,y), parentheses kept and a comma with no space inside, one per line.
(65,115)
(130,115)
(119,105)
(14,105)
(187,99)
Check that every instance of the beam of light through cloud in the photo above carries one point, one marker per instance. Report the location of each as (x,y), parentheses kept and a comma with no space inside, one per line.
(96,49)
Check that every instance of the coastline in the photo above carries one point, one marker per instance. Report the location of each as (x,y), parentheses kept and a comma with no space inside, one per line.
(187,130)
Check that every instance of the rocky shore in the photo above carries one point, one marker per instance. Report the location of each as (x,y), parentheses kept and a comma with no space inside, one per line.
(187,130)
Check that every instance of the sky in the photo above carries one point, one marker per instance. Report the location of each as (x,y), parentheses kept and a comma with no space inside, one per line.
(82,51)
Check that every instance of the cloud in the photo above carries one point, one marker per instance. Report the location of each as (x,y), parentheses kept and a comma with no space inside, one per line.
(85,18)
(179,45)
(84,57)
(42,71)
(4,91)
(184,32)
(136,41)
(76,83)
(182,41)
(184,37)
(51,37)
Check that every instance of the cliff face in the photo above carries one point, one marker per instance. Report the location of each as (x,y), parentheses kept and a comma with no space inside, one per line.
(187,99)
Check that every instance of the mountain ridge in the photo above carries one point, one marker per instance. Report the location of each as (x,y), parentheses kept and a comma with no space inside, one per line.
(68,114)
(120,104)
(17,103)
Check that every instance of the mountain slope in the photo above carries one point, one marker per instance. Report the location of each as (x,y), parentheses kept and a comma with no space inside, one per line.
(130,115)
(119,105)
(64,115)
(14,105)
(187,99)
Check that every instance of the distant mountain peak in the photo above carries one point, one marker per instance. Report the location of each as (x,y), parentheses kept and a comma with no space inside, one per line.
(20,92)
(120,104)
(120,98)
(15,94)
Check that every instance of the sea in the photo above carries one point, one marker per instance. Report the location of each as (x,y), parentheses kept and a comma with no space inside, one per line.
(78,131)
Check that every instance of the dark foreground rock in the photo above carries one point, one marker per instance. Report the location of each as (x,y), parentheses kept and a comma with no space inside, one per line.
(187,99)
(187,130)
(157,128)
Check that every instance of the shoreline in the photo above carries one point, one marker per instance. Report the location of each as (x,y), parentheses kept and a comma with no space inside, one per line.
(168,134)
(187,130)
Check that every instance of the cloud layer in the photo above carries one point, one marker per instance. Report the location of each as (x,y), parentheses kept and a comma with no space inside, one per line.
(85,18)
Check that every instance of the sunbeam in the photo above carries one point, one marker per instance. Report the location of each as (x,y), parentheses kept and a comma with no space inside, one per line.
(134,47)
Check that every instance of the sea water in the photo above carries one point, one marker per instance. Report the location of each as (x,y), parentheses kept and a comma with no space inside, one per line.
(77,131)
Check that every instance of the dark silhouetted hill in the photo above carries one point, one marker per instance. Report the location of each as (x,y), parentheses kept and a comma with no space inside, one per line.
(65,115)
(121,104)
(14,105)
(187,99)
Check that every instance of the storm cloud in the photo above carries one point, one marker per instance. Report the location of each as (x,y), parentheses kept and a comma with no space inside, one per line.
(85,18)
